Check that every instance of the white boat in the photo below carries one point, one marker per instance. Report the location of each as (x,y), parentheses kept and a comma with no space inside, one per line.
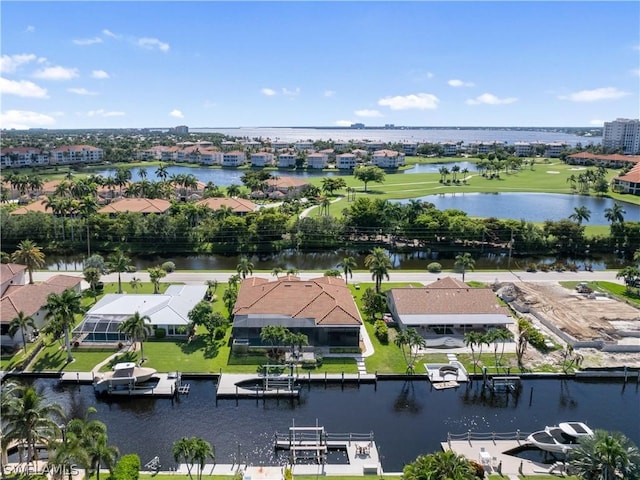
(123,375)
(561,438)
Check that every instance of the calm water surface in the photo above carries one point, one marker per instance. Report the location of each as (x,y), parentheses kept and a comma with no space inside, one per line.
(407,418)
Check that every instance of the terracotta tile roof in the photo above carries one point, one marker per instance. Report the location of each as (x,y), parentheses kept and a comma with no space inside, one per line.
(632,176)
(385,153)
(141,205)
(612,157)
(37,206)
(286,182)
(10,270)
(31,298)
(444,299)
(237,205)
(327,300)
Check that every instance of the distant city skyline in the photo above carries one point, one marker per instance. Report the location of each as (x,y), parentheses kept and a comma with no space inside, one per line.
(74,65)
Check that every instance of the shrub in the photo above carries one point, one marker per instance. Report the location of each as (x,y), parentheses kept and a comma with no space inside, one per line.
(168,267)
(381,331)
(160,333)
(127,468)
(532,267)
(219,333)
(434,267)
(536,338)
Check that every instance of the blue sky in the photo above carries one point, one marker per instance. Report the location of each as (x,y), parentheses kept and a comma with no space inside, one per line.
(229,64)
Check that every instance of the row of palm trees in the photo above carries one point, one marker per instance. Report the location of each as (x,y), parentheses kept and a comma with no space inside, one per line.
(494,336)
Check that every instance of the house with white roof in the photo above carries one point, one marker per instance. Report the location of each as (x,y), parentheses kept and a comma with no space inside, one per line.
(169,311)
(387,159)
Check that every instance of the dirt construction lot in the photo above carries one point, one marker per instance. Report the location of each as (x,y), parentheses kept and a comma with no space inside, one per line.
(580,316)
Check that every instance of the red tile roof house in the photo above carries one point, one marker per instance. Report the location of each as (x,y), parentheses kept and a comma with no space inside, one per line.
(139,205)
(629,182)
(29,299)
(321,308)
(445,310)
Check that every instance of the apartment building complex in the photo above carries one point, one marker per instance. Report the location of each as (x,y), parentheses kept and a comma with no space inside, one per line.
(622,133)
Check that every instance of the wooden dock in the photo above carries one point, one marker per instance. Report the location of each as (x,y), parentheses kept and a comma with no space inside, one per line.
(77,377)
(230,386)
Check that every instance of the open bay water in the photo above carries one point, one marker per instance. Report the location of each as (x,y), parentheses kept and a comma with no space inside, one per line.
(407,418)
(419,135)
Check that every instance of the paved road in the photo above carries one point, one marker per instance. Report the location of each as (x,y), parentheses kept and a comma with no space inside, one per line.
(195,277)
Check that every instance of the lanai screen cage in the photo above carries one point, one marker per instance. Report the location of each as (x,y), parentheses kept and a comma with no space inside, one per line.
(101,328)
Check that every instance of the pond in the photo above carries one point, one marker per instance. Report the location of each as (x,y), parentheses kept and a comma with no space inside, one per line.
(407,418)
(534,207)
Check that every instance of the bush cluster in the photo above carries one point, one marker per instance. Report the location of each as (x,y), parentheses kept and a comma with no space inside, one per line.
(127,468)
(381,331)
(536,338)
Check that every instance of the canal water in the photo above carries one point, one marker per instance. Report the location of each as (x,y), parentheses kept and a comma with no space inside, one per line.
(407,418)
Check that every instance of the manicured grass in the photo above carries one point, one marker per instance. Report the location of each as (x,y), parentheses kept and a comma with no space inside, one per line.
(54,358)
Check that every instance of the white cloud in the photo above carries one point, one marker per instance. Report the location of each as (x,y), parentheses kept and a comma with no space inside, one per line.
(22,88)
(459,83)
(80,91)
(56,73)
(30,29)
(598,123)
(87,41)
(23,119)
(109,33)
(490,99)
(269,92)
(291,93)
(102,113)
(10,63)
(368,113)
(420,101)
(635,72)
(176,113)
(344,123)
(605,93)
(151,43)
(329,93)
(420,75)
(100,74)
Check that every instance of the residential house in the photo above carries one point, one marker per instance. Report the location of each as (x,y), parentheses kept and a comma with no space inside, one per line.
(28,299)
(287,160)
(37,206)
(239,206)
(169,311)
(387,159)
(346,161)
(322,308)
(317,161)
(137,205)
(447,307)
(629,182)
(288,186)
(607,161)
(262,159)
(211,156)
(234,158)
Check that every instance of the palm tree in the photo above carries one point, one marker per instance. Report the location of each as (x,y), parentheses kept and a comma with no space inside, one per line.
(409,341)
(61,311)
(464,262)
(379,264)
(347,265)
(21,322)
(155,274)
(245,267)
(142,173)
(162,172)
(606,456)
(615,214)
(29,254)
(580,214)
(233,190)
(183,452)
(101,453)
(275,271)
(119,262)
(201,451)
(440,465)
(29,419)
(135,283)
(92,277)
(137,328)
(471,340)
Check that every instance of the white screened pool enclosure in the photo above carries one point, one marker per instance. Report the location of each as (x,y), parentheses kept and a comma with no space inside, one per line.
(168,311)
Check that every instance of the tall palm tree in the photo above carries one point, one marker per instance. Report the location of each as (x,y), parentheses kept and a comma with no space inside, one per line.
(183,452)
(135,283)
(162,172)
(245,267)
(137,327)
(379,264)
(409,341)
(606,456)
(29,254)
(119,262)
(202,450)
(155,275)
(101,453)
(464,262)
(61,311)
(88,206)
(615,214)
(30,419)
(347,264)
(580,214)
(473,339)
(92,277)
(275,271)
(21,322)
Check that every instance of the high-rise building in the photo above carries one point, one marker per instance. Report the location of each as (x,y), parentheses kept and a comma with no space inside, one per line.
(622,133)
(180,129)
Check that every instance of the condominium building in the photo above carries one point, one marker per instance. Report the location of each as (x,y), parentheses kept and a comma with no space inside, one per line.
(234,159)
(622,133)
(387,159)
(262,159)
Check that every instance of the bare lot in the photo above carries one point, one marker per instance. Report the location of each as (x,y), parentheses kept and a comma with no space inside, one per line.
(578,315)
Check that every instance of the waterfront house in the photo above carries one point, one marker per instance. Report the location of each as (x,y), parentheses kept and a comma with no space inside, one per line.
(522,149)
(607,161)
(262,159)
(169,311)
(387,159)
(74,154)
(211,156)
(288,186)
(317,160)
(287,160)
(28,299)
(346,161)
(321,308)
(447,307)
(234,158)
(450,149)
(629,182)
